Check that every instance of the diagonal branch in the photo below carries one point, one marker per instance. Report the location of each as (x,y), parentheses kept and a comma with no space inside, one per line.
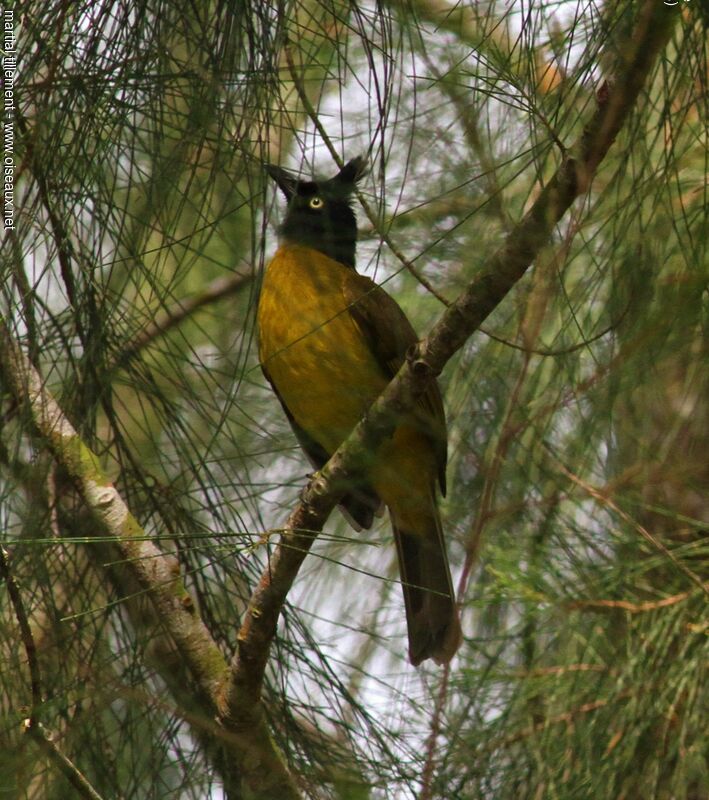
(252,756)
(155,573)
(181,310)
(459,321)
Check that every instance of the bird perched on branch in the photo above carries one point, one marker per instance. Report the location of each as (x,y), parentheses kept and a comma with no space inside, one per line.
(330,340)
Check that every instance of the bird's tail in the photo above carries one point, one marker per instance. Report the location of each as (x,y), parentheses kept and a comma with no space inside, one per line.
(431,615)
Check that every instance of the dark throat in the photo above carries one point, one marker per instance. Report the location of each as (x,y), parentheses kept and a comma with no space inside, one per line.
(338,246)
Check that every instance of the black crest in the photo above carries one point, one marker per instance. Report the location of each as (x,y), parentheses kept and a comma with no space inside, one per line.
(320,213)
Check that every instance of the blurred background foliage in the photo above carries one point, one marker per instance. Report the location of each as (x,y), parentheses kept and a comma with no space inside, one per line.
(577,505)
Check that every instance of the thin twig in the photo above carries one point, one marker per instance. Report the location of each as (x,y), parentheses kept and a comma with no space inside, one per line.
(566,716)
(26,636)
(603,499)
(65,765)
(435,729)
(33,727)
(176,314)
(626,605)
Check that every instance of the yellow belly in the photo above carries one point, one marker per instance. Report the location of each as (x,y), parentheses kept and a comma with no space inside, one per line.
(326,375)
(312,349)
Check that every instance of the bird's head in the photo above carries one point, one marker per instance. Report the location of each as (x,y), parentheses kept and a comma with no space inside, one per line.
(320,213)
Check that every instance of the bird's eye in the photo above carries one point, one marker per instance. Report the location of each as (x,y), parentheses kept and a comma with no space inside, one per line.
(316,202)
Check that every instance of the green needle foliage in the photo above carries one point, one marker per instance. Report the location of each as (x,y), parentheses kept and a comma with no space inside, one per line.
(577,507)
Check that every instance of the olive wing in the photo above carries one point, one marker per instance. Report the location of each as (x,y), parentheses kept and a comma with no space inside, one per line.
(389,334)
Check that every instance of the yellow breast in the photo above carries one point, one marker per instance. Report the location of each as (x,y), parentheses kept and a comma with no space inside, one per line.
(311,348)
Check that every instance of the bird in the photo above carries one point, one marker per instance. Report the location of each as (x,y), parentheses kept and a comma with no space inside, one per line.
(329,341)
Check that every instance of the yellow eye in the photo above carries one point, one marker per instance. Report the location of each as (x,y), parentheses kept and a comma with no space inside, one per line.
(316,202)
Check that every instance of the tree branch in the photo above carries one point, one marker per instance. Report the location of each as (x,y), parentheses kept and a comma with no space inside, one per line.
(176,314)
(627,605)
(64,764)
(458,322)
(247,743)
(26,635)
